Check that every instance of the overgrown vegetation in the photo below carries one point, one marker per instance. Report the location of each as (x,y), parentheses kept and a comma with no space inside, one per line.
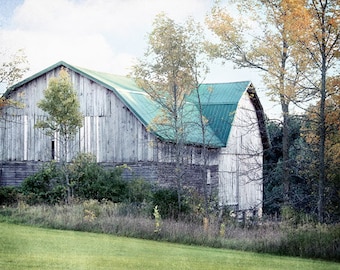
(303,194)
(125,219)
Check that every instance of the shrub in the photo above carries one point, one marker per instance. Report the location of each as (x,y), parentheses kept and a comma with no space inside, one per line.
(140,191)
(167,201)
(84,173)
(45,186)
(8,195)
(89,180)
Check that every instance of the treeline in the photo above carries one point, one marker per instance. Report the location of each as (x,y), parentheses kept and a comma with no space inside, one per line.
(303,164)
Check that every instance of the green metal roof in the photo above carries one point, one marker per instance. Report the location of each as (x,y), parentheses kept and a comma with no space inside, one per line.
(219,103)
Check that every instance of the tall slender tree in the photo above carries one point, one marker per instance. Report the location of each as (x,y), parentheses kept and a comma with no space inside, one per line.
(63,119)
(171,69)
(321,41)
(332,147)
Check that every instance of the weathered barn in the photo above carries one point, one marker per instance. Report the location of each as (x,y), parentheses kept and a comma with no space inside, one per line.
(117,115)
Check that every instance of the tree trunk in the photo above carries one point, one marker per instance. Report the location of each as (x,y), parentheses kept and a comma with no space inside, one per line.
(322,134)
(285,153)
(284,99)
(64,167)
(322,113)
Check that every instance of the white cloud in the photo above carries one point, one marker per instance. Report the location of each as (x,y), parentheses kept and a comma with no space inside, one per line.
(104,35)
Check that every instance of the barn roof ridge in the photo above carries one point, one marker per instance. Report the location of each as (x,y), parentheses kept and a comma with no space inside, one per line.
(219,102)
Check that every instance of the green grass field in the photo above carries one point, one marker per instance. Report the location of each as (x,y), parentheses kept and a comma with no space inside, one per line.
(24,247)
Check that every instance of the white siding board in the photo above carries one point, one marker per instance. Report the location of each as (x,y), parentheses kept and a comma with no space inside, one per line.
(240,162)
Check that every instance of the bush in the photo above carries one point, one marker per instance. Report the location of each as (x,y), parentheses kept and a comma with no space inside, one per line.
(89,180)
(8,195)
(167,201)
(140,191)
(45,186)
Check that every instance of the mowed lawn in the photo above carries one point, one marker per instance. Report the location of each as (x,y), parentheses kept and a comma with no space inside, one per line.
(24,247)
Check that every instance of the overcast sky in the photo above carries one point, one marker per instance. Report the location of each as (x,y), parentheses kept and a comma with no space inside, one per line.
(104,35)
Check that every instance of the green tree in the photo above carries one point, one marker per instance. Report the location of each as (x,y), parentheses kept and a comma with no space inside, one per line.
(64,118)
(171,69)
(302,192)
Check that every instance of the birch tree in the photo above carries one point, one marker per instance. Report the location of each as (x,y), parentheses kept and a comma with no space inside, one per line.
(64,118)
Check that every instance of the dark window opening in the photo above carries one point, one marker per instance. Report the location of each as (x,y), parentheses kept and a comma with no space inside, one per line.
(53,149)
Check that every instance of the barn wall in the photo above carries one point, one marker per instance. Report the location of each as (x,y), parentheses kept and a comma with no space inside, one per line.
(240,161)
(190,154)
(163,174)
(12,173)
(110,130)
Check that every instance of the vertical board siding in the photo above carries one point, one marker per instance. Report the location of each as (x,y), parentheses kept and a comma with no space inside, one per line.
(240,164)
(110,130)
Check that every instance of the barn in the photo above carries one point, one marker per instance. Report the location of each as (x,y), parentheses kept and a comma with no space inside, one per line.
(117,117)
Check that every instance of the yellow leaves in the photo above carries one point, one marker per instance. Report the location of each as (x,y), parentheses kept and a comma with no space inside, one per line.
(5,102)
(296,18)
(173,65)
(205,121)
(225,27)
(332,122)
(13,70)
(220,22)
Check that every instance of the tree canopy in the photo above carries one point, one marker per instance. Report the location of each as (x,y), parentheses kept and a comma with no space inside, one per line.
(12,71)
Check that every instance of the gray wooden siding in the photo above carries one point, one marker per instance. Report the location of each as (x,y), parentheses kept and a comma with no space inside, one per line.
(110,130)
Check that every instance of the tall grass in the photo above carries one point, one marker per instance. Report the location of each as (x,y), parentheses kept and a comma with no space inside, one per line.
(308,240)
